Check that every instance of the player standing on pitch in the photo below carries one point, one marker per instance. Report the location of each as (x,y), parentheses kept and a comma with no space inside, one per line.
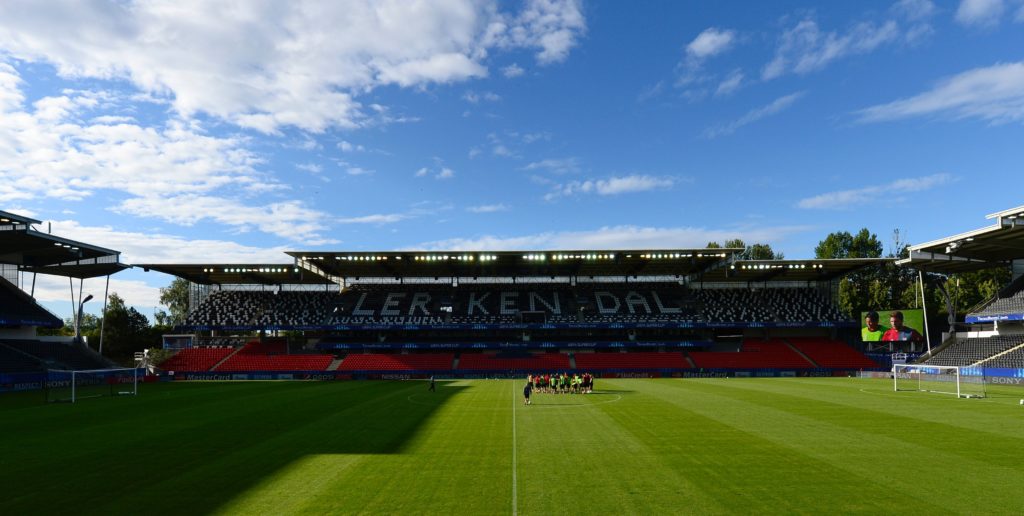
(527,390)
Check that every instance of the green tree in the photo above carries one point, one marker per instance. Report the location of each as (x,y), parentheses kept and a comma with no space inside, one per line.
(175,298)
(842,244)
(125,329)
(750,252)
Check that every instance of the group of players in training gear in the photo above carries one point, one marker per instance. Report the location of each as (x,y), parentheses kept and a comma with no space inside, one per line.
(558,384)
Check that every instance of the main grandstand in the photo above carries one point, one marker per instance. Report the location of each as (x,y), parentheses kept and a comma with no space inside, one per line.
(25,252)
(654,312)
(470,314)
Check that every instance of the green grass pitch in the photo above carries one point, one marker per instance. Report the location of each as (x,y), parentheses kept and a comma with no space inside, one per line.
(835,445)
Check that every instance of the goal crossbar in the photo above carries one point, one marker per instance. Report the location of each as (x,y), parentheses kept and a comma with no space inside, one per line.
(963,382)
(74,384)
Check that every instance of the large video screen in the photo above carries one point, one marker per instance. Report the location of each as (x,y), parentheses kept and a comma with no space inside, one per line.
(901,325)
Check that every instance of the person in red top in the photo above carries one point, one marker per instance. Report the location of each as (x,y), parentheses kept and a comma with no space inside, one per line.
(897,332)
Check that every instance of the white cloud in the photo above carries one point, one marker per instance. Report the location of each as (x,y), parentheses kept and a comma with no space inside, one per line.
(979,12)
(550,26)
(149,247)
(730,84)
(914,10)
(894,192)
(287,219)
(501,150)
(556,165)
(441,174)
(512,71)
(346,146)
(487,208)
(303,64)
(617,237)
(475,98)
(49,153)
(806,48)
(611,186)
(144,248)
(776,106)
(358,171)
(378,218)
(994,94)
(54,289)
(709,43)
(312,168)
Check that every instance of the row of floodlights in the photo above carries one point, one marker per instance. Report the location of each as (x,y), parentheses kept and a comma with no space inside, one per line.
(265,270)
(763,266)
(455,257)
(65,246)
(559,256)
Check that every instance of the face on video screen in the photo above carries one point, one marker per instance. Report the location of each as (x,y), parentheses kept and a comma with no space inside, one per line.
(903,325)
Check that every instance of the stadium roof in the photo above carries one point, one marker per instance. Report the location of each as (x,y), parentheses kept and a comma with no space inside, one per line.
(34,250)
(991,246)
(8,218)
(464,264)
(240,274)
(756,271)
(79,270)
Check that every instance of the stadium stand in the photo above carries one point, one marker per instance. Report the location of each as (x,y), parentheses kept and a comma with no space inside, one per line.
(509,303)
(57,355)
(831,353)
(380,362)
(13,361)
(195,359)
(767,305)
(1013,359)
(268,356)
(518,362)
(18,308)
(1010,300)
(262,308)
(754,354)
(965,352)
(245,362)
(640,360)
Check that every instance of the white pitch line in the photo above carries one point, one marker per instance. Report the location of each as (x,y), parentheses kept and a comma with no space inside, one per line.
(514,451)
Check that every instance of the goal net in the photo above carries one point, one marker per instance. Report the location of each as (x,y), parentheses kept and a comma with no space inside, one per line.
(72,386)
(963,382)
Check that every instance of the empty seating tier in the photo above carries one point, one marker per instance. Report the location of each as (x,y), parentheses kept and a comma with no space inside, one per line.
(249,362)
(644,360)
(59,355)
(387,362)
(753,355)
(832,354)
(965,352)
(195,359)
(496,362)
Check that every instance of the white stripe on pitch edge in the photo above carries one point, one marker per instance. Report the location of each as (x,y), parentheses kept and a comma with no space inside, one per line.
(514,451)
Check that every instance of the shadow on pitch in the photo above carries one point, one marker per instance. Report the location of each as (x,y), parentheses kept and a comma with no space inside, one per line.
(192,448)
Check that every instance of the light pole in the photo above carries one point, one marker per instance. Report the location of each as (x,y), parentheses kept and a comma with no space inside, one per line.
(78,320)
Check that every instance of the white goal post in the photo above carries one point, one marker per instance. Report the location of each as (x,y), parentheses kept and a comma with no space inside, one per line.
(963,382)
(74,385)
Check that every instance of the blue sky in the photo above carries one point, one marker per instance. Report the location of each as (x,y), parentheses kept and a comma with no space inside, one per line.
(202,132)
